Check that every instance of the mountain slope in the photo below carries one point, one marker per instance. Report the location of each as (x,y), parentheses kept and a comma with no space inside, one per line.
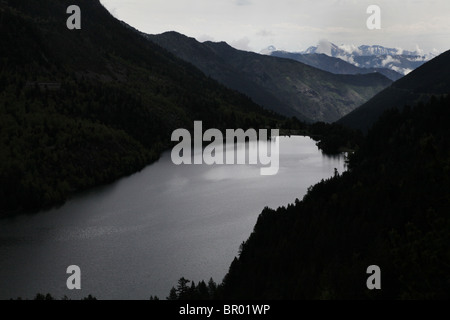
(391,209)
(301,89)
(85,107)
(433,78)
(334,65)
(206,59)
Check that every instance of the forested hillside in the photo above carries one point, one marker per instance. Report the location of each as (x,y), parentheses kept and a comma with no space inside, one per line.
(79,108)
(432,78)
(391,209)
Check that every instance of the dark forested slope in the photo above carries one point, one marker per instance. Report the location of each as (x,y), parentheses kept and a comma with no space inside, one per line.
(391,209)
(83,107)
(432,78)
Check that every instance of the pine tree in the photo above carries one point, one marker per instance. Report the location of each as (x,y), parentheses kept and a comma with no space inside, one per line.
(183,289)
(173,294)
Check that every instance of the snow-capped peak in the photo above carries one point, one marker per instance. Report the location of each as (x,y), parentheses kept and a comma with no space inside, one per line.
(374,56)
(333,50)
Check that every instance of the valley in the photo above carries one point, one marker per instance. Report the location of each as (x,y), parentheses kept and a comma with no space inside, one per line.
(358,179)
(282,85)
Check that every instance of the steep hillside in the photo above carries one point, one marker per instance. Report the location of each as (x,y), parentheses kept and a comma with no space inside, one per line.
(80,108)
(391,209)
(433,78)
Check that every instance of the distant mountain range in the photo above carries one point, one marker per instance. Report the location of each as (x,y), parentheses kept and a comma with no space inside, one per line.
(375,58)
(285,86)
(365,50)
(433,78)
(334,65)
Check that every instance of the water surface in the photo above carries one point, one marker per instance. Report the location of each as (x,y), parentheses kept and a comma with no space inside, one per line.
(138,236)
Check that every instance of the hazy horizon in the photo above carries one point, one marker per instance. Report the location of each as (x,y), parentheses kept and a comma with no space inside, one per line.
(293,25)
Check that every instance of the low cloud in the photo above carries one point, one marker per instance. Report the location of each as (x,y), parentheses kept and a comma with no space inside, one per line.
(241,44)
(205,37)
(403,71)
(399,50)
(350,49)
(389,60)
(264,33)
(324,47)
(348,59)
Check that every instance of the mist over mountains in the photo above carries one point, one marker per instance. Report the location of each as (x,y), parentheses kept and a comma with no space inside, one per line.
(373,57)
(364,50)
(334,65)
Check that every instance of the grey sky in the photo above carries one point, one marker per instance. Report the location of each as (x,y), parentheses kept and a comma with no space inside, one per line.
(292,25)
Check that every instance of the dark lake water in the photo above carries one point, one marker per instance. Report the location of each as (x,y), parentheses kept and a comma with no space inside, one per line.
(139,235)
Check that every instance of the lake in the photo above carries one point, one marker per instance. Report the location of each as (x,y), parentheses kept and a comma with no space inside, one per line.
(138,236)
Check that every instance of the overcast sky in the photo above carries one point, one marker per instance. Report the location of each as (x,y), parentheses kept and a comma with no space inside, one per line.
(292,25)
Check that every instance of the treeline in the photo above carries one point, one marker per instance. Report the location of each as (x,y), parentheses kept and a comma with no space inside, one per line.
(49,297)
(331,138)
(335,138)
(188,290)
(391,209)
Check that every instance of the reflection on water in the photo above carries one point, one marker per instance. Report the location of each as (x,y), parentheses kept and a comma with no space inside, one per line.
(138,236)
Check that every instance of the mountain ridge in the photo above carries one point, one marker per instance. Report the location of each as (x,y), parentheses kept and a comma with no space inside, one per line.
(430,79)
(364,50)
(316,94)
(334,65)
(368,57)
